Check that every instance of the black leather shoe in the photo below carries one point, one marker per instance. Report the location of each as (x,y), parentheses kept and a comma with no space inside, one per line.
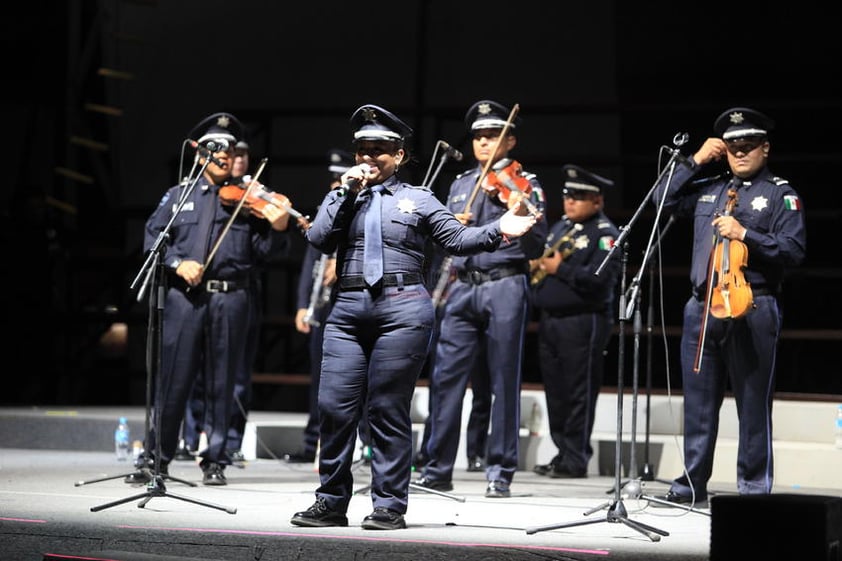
(476,464)
(498,490)
(543,469)
(319,515)
(238,459)
(184,454)
(433,484)
(384,519)
(562,473)
(299,458)
(674,498)
(214,474)
(144,472)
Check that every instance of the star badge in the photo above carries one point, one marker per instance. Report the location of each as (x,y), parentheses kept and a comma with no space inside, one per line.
(581,242)
(406,206)
(223,121)
(759,203)
(736,117)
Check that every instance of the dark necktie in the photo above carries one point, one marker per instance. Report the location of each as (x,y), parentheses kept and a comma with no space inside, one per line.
(373,249)
(205,226)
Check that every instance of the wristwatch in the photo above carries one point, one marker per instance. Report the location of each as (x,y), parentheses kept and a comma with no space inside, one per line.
(175,263)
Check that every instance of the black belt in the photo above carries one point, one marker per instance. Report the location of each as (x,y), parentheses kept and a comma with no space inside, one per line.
(475,276)
(355,282)
(222,285)
(759,291)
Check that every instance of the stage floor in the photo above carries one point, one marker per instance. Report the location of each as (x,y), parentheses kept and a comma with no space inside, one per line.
(62,496)
(58,503)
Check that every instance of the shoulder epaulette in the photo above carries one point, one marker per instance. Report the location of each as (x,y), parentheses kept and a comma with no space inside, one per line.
(779,180)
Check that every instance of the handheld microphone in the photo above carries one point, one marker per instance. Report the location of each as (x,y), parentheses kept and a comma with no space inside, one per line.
(451,151)
(353,182)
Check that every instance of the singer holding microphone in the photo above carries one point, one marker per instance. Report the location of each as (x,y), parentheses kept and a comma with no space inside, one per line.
(735,352)
(378,331)
(210,259)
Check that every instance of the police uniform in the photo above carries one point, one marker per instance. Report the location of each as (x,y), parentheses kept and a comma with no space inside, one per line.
(742,350)
(205,328)
(576,308)
(339,162)
(487,307)
(194,414)
(376,337)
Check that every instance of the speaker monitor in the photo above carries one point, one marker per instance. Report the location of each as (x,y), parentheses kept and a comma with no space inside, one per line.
(776,526)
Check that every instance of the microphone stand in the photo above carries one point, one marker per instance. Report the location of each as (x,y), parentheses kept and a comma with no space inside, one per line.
(153,271)
(616,511)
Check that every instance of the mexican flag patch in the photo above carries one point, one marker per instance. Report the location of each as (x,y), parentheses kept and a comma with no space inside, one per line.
(606,242)
(792,202)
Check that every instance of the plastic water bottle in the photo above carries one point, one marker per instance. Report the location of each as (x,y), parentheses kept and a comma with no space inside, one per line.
(122,440)
(839,427)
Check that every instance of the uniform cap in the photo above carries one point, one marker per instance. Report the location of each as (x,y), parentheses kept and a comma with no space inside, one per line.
(371,122)
(339,161)
(487,114)
(218,127)
(741,122)
(579,179)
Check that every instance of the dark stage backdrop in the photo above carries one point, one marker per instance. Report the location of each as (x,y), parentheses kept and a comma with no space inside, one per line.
(100,96)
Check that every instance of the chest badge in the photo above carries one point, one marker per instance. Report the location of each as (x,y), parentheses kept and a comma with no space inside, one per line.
(406,206)
(581,242)
(759,203)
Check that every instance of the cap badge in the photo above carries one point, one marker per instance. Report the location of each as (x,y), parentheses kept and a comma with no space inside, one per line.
(736,117)
(223,121)
(369,114)
(484,108)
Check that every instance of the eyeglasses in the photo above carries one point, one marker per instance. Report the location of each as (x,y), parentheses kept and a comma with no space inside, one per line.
(744,146)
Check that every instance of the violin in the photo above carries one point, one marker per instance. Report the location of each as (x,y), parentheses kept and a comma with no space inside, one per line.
(256,198)
(732,297)
(506,177)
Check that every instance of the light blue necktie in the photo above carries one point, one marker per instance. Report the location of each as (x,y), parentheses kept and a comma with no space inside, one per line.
(373,249)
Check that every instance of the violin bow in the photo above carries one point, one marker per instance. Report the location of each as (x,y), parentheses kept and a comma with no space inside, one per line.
(512,114)
(235,213)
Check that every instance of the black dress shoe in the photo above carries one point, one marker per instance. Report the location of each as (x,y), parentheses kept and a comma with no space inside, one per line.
(299,458)
(562,473)
(144,473)
(238,459)
(678,499)
(476,464)
(384,519)
(498,490)
(184,454)
(319,515)
(433,484)
(214,474)
(543,469)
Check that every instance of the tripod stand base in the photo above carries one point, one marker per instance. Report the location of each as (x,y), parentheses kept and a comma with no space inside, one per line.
(616,515)
(156,488)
